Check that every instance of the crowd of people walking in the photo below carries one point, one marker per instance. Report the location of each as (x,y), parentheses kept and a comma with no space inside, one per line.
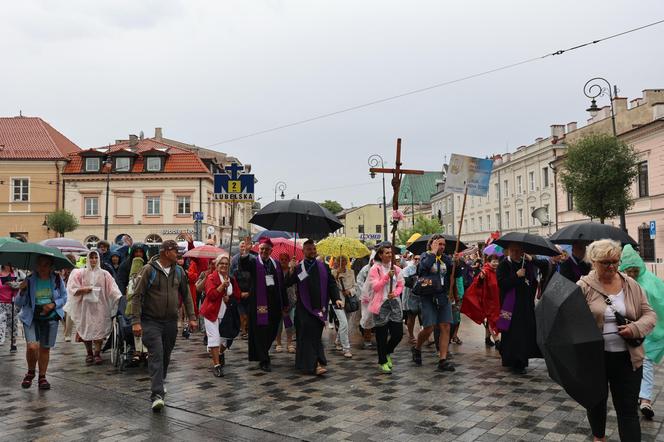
(260,298)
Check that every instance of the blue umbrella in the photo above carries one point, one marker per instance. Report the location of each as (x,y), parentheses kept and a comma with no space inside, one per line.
(271,234)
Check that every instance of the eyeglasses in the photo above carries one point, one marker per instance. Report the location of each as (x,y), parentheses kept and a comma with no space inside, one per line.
(608,264)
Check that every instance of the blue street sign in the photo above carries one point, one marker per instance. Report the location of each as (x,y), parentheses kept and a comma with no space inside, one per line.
(234,185)
(198,216)
(653,229)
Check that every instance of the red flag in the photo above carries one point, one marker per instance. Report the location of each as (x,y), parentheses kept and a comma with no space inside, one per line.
(482,299)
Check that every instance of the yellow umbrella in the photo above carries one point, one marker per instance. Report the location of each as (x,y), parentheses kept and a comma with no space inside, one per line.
(414,237)
(342,246)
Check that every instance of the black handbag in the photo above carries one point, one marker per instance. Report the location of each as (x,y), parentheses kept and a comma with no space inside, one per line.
(622,320)
(428,285)
(352,303)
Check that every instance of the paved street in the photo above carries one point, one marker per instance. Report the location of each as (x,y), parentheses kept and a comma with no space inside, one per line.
(481,401)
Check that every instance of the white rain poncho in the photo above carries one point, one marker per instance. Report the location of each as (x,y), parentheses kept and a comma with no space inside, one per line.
(92,312)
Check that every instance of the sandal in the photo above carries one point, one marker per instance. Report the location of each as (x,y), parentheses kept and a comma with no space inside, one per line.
(278,348)
(27,379)
(43,383)
(647,411)
(97,359)
(89,359)
(456,340)
(291,348)
(320,370)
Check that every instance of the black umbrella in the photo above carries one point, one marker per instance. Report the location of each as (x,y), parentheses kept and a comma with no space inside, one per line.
(419,246)
(306,218)
(532,244)
(591,232)
(572,345)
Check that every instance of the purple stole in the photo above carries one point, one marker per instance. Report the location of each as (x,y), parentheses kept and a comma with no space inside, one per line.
(507,308)
(305,296)
(261,293)
(575,268)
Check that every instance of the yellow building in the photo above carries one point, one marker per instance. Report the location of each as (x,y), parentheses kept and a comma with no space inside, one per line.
(32,158)
(364,223)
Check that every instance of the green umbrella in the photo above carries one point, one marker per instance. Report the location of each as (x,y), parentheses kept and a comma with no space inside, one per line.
(4,239)
(24,255)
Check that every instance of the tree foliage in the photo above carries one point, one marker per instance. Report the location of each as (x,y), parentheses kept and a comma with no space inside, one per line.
(332,206)
(62,221)
(423,226)
(599,171)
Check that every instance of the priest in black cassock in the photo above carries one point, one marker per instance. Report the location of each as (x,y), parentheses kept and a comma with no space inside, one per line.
(574,267)
(518,282)
(267,301)
(315,288)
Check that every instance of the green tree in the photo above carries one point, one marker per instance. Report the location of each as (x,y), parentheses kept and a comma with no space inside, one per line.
(332,206)
(599,171)
(62,221)
(423,226)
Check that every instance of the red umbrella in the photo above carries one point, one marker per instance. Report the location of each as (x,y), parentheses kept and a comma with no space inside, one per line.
(283,245)
(209,252)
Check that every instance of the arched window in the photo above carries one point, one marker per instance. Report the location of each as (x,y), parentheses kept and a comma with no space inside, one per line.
(118,239)
(91,241)
(153,238)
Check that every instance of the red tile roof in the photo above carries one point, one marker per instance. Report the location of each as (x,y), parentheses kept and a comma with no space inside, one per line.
(178,160)
(27,138)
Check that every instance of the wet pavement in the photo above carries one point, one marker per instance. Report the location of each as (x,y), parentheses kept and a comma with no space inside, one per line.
(480,401)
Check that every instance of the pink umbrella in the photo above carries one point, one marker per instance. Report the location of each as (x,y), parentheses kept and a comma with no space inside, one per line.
(283,245)
(65,245)
(209,252)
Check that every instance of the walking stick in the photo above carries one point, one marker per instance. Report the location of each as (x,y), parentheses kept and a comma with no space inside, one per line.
(12,347)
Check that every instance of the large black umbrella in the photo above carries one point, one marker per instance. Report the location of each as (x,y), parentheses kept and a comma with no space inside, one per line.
(306,218)
(572,345)
(590,231)
(532,244)
(419,246)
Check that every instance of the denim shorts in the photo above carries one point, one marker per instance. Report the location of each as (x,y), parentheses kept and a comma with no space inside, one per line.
(432,314)
(44,332)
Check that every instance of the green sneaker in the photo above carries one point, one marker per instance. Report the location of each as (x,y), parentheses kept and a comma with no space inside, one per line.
(389,362)
(385,368)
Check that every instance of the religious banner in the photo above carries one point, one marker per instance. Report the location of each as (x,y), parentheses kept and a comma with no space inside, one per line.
(469,173)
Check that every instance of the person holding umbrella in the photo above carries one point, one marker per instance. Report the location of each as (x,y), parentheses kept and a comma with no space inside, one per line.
(267,302)
(8,316)
(42,298)
(622,313)
(632,264)
(518,283)
(574,267)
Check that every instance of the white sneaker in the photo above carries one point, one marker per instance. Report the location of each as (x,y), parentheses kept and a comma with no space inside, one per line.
(158,403)
(67,338)
(348,354)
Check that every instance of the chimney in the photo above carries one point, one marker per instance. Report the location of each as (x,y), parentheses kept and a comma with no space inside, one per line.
(571,126)
(657,111)
(133,140)
(557,131)
(141,135)
(635,103)
(157,133)
(619,104)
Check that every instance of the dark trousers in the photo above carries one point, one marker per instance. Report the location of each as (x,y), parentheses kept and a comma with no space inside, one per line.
(159,338)
(387,345)
(624,383)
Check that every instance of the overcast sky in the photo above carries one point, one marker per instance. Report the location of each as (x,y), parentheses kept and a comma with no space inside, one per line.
(208,71)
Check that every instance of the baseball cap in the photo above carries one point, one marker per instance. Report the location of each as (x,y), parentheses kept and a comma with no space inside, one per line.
(169,244)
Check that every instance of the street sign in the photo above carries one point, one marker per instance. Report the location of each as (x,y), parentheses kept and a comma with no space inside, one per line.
(370,236)
(198,216)
(234,186)
(653,229)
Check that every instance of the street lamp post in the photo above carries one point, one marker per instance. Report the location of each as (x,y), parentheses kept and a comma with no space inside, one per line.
(108,163)
(407,189)
(595,88)
(280,186)
(374,160)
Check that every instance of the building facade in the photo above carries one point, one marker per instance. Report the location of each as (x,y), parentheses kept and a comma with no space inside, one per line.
(442,206)
(154,188)
(358,221)
(33,156)
(415,196)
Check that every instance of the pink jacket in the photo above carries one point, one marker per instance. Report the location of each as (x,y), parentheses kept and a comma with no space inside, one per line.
(377,281)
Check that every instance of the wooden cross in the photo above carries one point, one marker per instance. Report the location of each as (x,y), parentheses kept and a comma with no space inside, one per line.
(397,172)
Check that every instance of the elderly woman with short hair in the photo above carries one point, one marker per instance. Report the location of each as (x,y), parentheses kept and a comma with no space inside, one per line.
(608,292)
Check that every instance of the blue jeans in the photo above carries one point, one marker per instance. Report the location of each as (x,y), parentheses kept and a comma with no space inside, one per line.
(648,381)
(44,332)
(342,334)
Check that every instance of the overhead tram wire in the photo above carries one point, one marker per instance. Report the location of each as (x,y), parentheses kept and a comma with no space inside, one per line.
(433,86)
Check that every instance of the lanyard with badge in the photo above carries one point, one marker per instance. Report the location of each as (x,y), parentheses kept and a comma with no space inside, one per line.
(269,278)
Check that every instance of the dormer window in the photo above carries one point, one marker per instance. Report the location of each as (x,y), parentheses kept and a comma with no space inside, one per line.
(122,164)
(92,164)
(153,164)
